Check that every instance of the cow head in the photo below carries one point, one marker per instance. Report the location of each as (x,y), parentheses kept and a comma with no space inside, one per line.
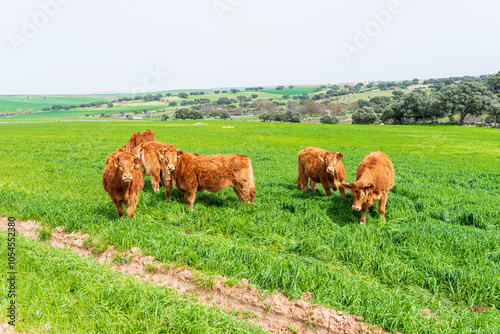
(125,163)
(361,194)
(331,160)
(169,156)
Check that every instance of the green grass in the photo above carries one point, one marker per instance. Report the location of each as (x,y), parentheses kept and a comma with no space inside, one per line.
(439,248)
(76,295)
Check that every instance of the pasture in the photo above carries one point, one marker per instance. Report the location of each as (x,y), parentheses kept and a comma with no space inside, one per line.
(439,249)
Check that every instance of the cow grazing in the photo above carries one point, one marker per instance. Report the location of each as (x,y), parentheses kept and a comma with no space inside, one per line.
(193,172)
(323,167)
(123,180)
(151,156)
(140,137)
(374,180)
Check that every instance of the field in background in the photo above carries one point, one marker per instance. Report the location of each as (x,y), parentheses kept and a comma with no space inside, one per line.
(439,248)
(12,103)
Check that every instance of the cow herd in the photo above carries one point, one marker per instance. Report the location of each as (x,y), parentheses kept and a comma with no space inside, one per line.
(123,175)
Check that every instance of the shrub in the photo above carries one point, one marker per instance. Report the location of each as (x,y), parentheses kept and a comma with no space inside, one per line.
(327,119)
(364,115)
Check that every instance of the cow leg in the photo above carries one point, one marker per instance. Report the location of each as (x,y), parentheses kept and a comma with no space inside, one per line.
(167,182)
(301,179)
(119,206)
(155,180)
(312,184)
(363,215)
(381,205)
(328,192)
(189,196)
(132,206)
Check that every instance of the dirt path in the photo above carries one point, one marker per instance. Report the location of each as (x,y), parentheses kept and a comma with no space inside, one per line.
(275,312)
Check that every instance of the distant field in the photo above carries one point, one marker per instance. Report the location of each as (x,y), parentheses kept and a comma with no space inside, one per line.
(36,102)
(366,95)
(439,248)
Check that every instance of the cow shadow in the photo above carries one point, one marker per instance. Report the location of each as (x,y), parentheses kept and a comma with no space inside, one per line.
(340,209)
(299,194)
(213,200)
(107,211)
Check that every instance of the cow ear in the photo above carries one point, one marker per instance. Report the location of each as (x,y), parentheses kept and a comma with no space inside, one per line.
(347,186)
(339,156)
(179,153)
(369,186)
(137,162)
(140,154)
(112,160)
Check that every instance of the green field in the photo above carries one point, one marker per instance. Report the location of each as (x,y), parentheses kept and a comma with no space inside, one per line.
(74,295)
(439,249)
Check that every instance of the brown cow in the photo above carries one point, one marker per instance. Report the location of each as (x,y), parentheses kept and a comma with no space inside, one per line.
(193,172)
(123,180)
(151,156)
(140,137)
(323,167)
(374,179)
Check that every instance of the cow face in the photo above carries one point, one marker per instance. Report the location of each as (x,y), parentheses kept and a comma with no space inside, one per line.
(331,160)
(361,194)
(170,158)
(126,163)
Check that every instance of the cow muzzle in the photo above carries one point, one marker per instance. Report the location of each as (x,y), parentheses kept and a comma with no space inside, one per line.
(357,208)
(127,178)
(170,168)
(330,170)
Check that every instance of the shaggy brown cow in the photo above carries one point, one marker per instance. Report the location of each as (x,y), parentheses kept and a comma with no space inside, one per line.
(193,172)
(123,180)
(323,167)
(374,179)
(150,154)
(140,137)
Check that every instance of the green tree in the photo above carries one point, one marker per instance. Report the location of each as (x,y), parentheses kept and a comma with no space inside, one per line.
(224,115)
(494,115)
(164,117)
(327,119)
(363,103)
(223,100)
(254,96)
(292,117)
(494,83)
(286,96)
(467,98)
(183,95)
(397,94)
(280,87)
(181,113)
(365,115)
(215,113)
(172,103)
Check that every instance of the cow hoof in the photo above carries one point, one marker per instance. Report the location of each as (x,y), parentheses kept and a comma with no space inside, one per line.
(362,223)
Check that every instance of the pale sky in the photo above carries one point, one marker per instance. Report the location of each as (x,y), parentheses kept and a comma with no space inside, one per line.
(90,46)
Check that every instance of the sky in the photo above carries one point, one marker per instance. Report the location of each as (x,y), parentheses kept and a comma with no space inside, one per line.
(132,46)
